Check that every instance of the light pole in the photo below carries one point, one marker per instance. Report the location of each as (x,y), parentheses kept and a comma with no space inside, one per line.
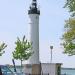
(51,47)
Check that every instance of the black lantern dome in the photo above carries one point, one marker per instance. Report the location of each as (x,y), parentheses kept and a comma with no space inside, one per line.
(33,8)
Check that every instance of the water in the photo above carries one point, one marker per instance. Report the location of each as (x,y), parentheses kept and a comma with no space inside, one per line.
(68,71)
(64,71)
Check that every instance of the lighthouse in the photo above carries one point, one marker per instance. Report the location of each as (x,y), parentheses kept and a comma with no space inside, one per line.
(34,13)
(33,67)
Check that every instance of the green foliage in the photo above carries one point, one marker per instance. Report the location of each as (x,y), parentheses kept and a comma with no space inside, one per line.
(69,37)
(69,48)
(23,49)
(69,34)
(70,4)
(2,47)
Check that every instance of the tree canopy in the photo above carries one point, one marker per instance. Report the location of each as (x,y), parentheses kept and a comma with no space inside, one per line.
(69,34)
(23,49)
(2,47)
(70,4)
(69,37)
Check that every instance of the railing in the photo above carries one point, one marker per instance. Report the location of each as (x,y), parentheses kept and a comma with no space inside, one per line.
(65,74)
(36,74)
(5,70)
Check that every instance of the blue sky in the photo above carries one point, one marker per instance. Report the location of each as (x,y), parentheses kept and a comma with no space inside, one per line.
(14,21)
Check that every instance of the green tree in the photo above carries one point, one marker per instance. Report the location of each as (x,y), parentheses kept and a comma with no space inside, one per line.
(70,4)
(2,47)
(23,50)
(69,34)
(69,37)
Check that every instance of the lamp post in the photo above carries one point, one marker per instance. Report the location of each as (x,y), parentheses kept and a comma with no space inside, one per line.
(51,47)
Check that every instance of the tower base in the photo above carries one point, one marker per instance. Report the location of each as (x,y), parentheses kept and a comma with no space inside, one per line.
(43,69)
(33,69)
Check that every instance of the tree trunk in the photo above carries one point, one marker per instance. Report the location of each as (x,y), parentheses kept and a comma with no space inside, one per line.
(21,66)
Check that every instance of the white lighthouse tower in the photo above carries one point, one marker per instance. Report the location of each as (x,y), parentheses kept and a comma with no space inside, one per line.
(34,65)
(34,31)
